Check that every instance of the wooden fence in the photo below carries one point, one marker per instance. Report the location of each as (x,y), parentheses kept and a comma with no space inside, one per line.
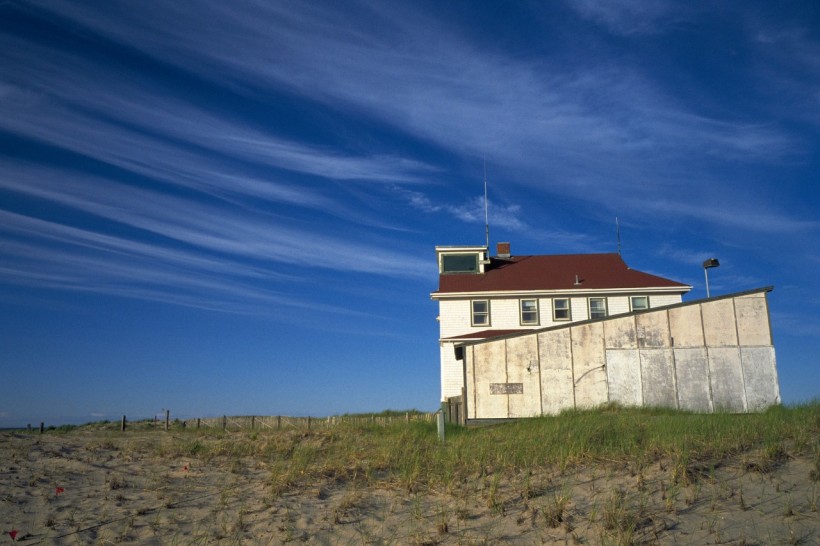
(281,422)
(255,422)
(454,410)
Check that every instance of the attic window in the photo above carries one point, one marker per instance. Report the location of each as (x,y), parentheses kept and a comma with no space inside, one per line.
(480,312)
(597,308)
(639,303)
(459,263)
(529,312)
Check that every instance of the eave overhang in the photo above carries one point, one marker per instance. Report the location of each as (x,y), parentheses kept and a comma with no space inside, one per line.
(683,289)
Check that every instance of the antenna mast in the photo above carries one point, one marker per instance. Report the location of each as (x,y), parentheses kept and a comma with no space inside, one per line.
(618,234)
(486,215)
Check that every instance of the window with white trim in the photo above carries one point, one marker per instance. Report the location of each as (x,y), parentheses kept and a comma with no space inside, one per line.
(459,263)
(528,312)
(480,312)
(561,309)
(639,303)
(597,308)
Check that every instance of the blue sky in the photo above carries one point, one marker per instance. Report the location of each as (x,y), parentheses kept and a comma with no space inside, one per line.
(232,208)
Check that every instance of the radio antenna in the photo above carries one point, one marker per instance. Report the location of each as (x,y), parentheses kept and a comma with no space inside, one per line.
(486,214)
(618,234)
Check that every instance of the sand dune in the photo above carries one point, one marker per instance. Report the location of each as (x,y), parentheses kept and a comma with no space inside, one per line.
(87,487)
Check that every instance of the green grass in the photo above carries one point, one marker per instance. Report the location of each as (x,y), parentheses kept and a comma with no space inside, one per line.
(409,454)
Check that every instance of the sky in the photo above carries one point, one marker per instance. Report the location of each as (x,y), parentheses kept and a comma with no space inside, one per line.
(231,208)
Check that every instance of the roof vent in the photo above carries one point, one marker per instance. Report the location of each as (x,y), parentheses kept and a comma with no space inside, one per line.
(503,250)
(577,281)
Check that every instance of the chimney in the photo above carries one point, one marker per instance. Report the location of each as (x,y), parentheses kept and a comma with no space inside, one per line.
(503,250)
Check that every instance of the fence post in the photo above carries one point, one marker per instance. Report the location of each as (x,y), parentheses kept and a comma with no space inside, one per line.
(407,416)
(122,426)
(440,422)
(224,422)
(308,423)
(42,427)
(29,427)
(463,406)
(253,421)
(167,418)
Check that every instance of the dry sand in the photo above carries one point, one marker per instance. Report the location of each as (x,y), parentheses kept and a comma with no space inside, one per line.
(104,488)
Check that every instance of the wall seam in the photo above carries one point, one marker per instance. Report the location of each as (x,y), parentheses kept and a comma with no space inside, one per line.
(711,401)
(740,356)
(674,361)
(572,368)
(771,344)
(540,388)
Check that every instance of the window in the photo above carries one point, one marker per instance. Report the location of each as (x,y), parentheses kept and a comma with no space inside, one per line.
(459,263)
(481,312)
(560,309)
(597,308)
(529,312)
(639,303)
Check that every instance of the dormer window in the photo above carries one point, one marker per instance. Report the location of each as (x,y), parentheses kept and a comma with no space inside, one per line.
(469,260)
(459,263)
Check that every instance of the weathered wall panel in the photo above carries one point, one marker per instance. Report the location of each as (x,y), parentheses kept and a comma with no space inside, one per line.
(760,377)
(719,323)
(728,393)
(620,333)
(589,361)
(490,367)
(555,355)
(658,378)
(692,378)
(623,372)
(686,326)
(750,329)
(655,358)
(653,330)
(522,367)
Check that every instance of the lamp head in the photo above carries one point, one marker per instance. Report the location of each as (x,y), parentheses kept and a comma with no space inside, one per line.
(711,262)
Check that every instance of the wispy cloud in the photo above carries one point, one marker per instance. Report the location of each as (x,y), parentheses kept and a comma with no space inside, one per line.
(745,219)
(600,125)
(471,211)
(627,17)
(600,131)
(218,230)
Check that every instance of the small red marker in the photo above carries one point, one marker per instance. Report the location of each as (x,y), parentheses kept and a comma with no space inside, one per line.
(185,468)
(58,490)
(13,534)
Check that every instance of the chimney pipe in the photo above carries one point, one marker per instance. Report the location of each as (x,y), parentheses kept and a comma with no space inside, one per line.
(503,250)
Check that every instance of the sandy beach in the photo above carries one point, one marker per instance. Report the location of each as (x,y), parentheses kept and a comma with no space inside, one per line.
(102,487)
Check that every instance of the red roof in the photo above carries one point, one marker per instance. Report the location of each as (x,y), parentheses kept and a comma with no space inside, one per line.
(486,334)
(554,272)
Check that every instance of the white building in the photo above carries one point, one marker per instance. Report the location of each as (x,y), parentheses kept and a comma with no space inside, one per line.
(482,297)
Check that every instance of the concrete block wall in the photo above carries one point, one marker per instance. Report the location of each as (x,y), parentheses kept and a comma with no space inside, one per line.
(703,356)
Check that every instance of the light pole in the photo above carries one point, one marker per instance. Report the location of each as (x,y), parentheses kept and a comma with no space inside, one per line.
(708,264)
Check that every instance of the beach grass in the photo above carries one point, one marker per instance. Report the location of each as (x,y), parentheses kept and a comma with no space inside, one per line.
(410,455)
(608,475)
